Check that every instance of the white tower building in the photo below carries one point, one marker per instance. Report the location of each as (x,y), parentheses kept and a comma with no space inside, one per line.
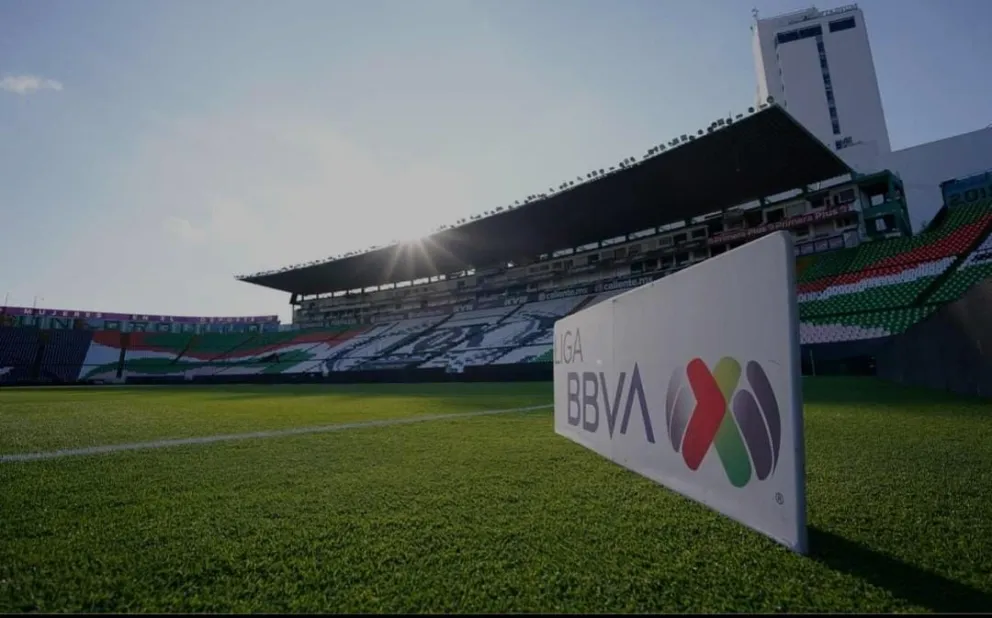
(818,65)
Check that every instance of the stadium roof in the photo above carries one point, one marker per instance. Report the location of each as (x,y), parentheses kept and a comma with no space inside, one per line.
(760,155)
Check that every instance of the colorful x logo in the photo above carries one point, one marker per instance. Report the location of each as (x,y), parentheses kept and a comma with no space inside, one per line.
(703,410)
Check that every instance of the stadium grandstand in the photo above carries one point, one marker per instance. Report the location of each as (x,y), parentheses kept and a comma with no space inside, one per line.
(481,298)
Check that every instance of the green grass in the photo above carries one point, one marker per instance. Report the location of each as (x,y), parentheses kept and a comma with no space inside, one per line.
(471,514)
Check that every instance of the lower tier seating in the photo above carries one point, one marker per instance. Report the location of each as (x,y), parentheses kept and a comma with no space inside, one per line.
(867,325)
(64,352)
(526,354)
(18,349)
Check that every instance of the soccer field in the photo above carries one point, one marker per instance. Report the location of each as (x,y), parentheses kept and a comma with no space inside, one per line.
(461,513)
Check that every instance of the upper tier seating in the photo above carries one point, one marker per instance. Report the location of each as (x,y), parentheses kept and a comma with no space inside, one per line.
(483,317)
(877,288)
(961,228)
(894,273)
(975,269)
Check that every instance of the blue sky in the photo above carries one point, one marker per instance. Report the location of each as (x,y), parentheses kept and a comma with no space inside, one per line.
(151,150)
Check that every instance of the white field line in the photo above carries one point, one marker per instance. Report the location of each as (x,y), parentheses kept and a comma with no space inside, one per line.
(275,433)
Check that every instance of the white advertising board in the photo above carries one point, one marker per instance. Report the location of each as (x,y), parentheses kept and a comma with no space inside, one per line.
(693,381)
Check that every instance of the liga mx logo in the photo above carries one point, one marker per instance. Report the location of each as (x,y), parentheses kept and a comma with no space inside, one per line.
(705,409)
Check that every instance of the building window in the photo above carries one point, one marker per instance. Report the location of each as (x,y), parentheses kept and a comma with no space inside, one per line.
(787,37)
(796,35)
(846,196)
(842,24)
(844,143)
(828,86)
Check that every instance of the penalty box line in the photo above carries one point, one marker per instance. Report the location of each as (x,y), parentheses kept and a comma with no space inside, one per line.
(275,433)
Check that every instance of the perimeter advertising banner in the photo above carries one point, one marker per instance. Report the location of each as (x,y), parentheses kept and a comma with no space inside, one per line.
(693,382)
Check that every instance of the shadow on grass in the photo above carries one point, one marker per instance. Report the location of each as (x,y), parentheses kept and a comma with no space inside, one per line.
(903,580)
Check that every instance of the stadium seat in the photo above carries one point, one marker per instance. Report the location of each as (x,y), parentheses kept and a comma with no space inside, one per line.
(65,351)
(516,329)
(876,289)
(865,325)
(975,269)
(18,349)
(526,354)
(868,290)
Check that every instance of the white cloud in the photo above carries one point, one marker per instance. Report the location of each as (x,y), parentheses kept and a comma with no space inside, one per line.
(28,84)
(184,230)
(228,221)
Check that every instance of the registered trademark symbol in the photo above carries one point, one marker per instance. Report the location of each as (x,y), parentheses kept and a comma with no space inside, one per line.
(779,498)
